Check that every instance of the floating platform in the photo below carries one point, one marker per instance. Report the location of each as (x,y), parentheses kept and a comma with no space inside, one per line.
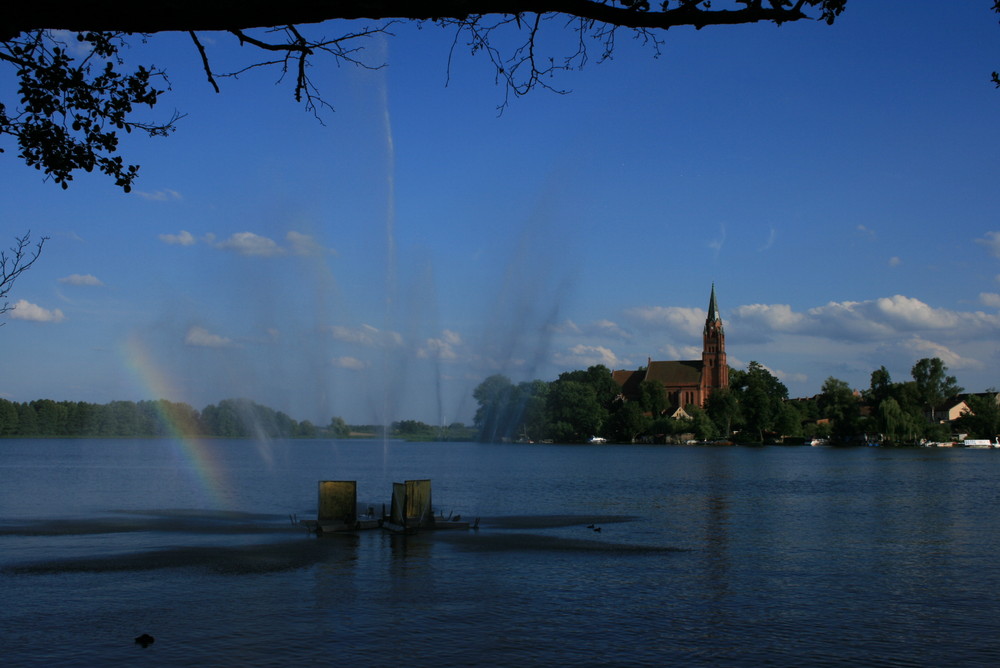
(337,510)
(410,510)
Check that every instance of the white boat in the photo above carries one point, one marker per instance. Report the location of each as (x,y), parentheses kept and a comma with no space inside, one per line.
(597,439)
(981,443)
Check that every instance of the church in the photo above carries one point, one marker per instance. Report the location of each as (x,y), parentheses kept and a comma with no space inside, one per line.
(686,382)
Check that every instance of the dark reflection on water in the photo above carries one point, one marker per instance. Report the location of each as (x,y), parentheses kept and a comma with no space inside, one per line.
(706,556)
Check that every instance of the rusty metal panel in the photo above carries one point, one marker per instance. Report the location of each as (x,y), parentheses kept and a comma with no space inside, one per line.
(338,501)
(418,502)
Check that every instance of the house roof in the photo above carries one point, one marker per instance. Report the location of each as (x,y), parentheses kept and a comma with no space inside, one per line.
(684,372)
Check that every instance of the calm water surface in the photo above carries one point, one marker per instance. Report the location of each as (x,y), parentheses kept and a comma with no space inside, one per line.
(706,556)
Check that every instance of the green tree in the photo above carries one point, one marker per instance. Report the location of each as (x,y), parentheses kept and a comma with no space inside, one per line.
(599,378)
(51,417)
(575,412)
(933,384)
(8,418)
(628,423)
(894,423)
(27,420)
(534,416)
(982,420)
(494,415)
(722,406)
(338,428)
(881,387)
(702,425)
(841,405)
(789,422)
(760,395)
(652,397)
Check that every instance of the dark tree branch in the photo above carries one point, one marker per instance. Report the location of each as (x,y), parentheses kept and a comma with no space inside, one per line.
(16,263)
(204,60)
(70,110)
(188,15)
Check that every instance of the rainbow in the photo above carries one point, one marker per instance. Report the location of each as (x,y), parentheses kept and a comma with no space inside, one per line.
(193,453)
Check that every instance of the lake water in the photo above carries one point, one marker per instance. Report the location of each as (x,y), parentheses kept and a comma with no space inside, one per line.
(721,556)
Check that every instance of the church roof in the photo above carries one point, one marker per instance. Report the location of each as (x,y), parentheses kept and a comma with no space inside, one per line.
(684,372)
(629,381)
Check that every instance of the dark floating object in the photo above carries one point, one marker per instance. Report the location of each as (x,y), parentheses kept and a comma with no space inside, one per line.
(597,529)
(145,640)
(590,526)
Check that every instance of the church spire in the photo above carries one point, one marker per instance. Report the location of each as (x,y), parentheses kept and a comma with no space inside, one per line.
(713,311)
(715,369)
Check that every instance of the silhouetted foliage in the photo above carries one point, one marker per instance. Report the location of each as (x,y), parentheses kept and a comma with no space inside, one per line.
(76,93)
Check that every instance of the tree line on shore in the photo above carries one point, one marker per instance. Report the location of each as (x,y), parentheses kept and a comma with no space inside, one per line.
(755,408)
(230,418)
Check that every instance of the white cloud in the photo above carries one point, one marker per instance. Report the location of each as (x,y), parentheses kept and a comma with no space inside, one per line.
(894,261)
(248,243)
(581,356)
(992,243)
(365,335)
(770,239)
(25,310)
(672,352)
(601,328)
(924,348)
(436,349)
(779,317)
(159,195)
(78,48)
(251,244)
(185,238)
(718,243)
(687,320)
(872,319)
(990,299)
(787,377)
(442,348)
(565,327)
(201,337)
(352,363)
(609,328)
(908,312)
(865,231)
(81,279)
(303,244)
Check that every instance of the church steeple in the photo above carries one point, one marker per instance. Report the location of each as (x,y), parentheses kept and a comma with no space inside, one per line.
(713,308)
(715,369)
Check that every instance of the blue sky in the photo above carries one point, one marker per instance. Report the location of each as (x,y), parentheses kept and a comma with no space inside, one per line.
(837,184)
